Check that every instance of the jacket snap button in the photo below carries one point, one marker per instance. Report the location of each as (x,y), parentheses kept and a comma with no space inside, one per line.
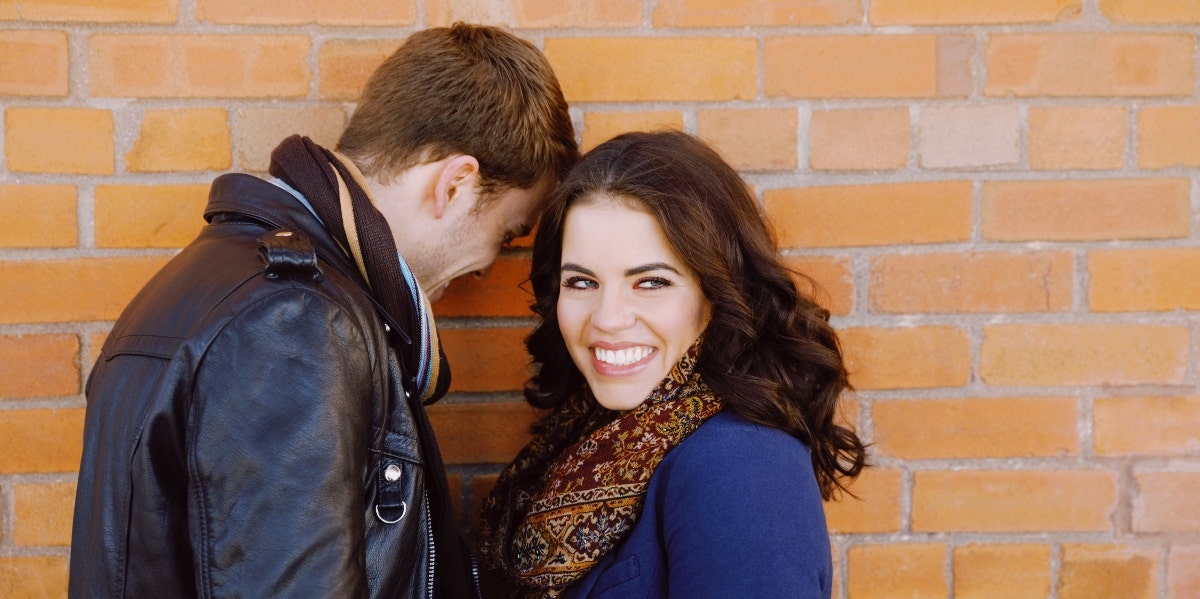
(391,473)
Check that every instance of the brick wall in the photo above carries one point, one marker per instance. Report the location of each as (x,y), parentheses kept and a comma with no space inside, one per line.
(1000,199)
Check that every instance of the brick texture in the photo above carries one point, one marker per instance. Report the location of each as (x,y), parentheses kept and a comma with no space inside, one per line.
(40,440)
(1165,501)
(475,433)
(499,294)
(1001,571)
(844,66)
(991,282)
(855,215)
(33,577)
(970,136)
(934,356)
(43,514)
(75,141)
(377,13)
(1087,353)
(345,66)
(139,216)
(71,290)
(33,63)
(536,13)
(1151,11)
(1183,571)
(752,140)
(1095,570)
(39,365)
(750,13)
(599,127)
(1168,279)
(1086,210)
(38,216)
(1146,425)
(833,278)
(859,139)
(971,12)
(977,427)
(491,359)
(874,506)
(91,11)
(1167,136)
(654,69)
(899,570)
(1085,64)
(1078,137)
(192,139)
(259,130)
(203,65)
(999,500)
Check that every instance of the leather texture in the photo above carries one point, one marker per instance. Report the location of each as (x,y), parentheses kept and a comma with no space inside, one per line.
(247,433)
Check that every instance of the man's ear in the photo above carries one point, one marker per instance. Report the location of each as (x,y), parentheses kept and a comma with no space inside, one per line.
(458,179)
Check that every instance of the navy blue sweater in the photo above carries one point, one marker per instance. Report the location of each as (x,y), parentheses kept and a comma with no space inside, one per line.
(733,511)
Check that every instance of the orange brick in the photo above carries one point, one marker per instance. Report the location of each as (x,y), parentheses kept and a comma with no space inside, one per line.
(39,365)
(59,140)
(972,12)
(1146,425)
(1183,572)
(33,63)
(971,282)
(1090,64)
(34,577)
(897,570)
(885,214)
(188,139)
(833,277)
(38,216)
(491,359)
(874,508)
(907,358)
(136,216)
(1013,500)
(1086,210)
(859,139)
(970,136)
(1077,137)
(851,66)
(71,290)
(259,130)
(345,66)
(632,69)
(95,344)
(176,65)
(955,65)
(500,294)
(1167,279)
(472,433)
(93,11)
(376,13)
(43,513)
(761,139)
(535,13)
(1083,354)
(1166,501)
(1001,571)
(918,429)
(40,440)
(1151,11)
(599,127)
(1167,136)
(1090,571)
(754,13)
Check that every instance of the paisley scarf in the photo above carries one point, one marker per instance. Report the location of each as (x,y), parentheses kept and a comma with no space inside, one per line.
(576,491)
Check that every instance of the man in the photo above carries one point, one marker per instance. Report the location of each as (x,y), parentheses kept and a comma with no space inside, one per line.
(255,422)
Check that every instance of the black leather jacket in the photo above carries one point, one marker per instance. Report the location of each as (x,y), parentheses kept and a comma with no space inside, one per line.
(247,433)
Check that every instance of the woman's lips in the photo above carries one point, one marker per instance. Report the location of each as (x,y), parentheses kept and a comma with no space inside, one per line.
(623,361)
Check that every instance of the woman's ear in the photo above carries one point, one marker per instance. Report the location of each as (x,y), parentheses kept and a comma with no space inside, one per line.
(457,181)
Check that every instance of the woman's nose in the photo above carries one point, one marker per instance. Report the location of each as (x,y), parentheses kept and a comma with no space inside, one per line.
(614,311)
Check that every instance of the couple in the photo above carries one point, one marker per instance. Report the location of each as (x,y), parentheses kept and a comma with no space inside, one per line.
(256,423)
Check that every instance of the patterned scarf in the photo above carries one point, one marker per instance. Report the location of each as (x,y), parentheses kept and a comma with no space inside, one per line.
(576,491)
(335,188)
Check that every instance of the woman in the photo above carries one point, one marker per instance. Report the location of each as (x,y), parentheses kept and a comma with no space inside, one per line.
(691,392)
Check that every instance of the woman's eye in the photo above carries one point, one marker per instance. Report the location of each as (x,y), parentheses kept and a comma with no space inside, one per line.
(579,283)
(653,283)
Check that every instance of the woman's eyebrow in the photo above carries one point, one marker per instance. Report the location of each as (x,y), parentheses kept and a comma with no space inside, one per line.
(637,270)
(575,268)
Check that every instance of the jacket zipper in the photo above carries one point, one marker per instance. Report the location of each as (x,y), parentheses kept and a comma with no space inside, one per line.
(432,549)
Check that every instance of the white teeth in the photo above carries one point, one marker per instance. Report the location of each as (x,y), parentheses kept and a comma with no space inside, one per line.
(621,357)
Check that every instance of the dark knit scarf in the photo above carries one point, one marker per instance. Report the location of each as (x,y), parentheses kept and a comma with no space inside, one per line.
(335,189)
(576,491)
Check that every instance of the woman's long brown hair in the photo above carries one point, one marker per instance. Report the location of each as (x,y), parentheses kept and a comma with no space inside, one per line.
(769,350)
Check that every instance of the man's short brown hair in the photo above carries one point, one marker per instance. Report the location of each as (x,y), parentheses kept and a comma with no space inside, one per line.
(465,89)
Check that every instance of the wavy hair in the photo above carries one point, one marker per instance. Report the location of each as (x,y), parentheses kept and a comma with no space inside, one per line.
(769,350)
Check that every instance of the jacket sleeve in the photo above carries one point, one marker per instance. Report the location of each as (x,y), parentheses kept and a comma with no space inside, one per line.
(277,452)
(743,518)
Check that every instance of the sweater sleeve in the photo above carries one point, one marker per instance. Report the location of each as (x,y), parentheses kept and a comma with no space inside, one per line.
(742,516)
(277,459)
